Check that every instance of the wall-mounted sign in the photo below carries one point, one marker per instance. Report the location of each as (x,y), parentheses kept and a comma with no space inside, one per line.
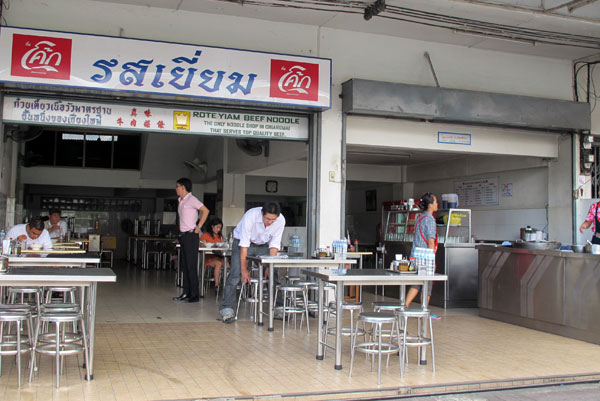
(454,138)
(477,192)
(134,65)
(67,113)
(507,190)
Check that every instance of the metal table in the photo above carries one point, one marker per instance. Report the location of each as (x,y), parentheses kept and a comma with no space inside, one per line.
(69,260)
(65,276)
(144,240)
(225,252)
(276,262)
(364,277)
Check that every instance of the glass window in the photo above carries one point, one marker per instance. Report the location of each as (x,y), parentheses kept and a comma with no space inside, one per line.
(98,150)
(127,152)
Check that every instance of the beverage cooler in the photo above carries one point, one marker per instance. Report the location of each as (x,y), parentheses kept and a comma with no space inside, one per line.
(456,255)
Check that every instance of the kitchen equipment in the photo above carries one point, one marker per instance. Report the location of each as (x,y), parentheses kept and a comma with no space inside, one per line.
(528,234)
(593,249)
(578,248)
(452,201)
(444,201)
(537,245)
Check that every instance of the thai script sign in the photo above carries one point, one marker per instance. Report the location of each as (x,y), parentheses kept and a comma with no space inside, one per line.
(477,192)
(119,64)
(66,113)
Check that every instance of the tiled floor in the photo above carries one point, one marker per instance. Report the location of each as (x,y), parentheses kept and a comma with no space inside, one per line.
(149,347)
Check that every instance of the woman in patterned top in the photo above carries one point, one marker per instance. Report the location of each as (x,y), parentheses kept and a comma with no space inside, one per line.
(425,237)
(593,220)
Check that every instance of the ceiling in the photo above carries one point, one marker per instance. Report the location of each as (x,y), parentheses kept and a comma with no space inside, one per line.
(565,29)
(381,156)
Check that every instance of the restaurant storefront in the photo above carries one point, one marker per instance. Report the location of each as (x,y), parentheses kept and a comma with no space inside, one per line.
(54,80)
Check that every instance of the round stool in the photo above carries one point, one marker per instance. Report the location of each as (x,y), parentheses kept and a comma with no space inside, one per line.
(18,346)
(250,296)
(381,306)
(64,290)
(352,307)
(375,346)
(414,341)
(13,292)
(289,303)
(68,337)
(59,348)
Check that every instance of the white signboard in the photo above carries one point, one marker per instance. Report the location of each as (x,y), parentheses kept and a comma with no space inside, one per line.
(55,112)
(133,65)
(477,192)
(454,138)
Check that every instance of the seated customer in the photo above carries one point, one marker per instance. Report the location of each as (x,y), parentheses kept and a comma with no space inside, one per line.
(214,234)
(56,227)
(31,233)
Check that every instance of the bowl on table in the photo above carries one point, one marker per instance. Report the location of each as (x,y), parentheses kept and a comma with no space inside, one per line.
(35,247)
(220,244)
(207,244)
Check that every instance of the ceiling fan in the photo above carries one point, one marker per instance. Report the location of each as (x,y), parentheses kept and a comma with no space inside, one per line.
(196,165)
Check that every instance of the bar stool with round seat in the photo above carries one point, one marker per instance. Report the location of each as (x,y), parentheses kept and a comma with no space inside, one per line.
(376,344)
(59,348)
(14,292)
(67,292)
(351,306)
(249,294)
(16,345)
(290,306)
(414,341)
(68,337)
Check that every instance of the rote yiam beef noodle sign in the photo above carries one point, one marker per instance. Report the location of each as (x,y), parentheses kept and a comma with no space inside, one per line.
(134,65)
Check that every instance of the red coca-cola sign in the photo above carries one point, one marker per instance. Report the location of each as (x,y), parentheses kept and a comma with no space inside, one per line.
(41,57)
(294,80)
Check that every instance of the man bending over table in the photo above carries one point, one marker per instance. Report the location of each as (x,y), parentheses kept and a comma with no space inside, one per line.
(257,234)
(32,233)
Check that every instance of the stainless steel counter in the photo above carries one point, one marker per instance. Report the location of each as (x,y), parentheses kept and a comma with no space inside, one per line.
(549,290)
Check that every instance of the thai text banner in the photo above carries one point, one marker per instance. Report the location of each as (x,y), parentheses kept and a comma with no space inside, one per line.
(119,64)
(63,113)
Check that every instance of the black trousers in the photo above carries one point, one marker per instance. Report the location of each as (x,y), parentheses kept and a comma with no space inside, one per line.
(189,263)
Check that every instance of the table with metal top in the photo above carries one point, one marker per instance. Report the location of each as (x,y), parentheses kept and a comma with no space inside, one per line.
(136,238)
(224,252)
(64,260)
(276,262)
(65,276)
(364,277)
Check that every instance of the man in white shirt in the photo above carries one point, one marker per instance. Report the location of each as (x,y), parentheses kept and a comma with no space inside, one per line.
(257,234)
(31,233)
(56,227)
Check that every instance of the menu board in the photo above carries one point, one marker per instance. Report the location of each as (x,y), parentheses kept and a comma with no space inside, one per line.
(477,192)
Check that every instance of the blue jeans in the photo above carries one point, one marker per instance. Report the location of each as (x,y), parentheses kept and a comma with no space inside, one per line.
(235,274)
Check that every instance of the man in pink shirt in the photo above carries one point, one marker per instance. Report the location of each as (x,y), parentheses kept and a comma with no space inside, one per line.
(189,238)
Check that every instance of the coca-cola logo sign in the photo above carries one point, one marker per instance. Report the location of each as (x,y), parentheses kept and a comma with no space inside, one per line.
(41,57)
(294,80)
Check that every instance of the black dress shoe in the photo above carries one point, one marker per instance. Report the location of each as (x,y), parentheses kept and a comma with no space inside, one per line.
(182,297)
(193,299)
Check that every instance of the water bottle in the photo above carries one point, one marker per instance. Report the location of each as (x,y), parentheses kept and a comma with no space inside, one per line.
(344,249)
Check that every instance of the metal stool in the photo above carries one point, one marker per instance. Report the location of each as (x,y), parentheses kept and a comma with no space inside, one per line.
(381,306)
(375,346)
(414,341)
(110,252)
(250,297)
(59,347)
(351,306)
(64,290)
(68,337)
(13,292)
(15,345)
(156,259)
(289,303)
